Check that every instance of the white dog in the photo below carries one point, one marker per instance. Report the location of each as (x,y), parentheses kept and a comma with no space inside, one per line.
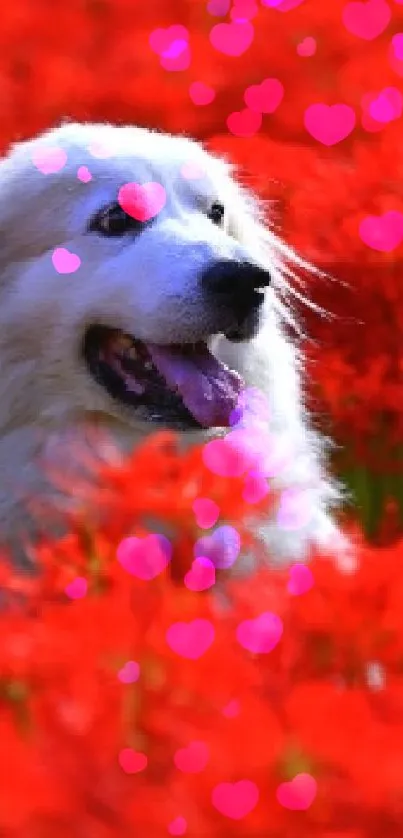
(129,308)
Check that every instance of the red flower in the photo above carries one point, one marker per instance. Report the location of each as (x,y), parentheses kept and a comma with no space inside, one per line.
(83,681)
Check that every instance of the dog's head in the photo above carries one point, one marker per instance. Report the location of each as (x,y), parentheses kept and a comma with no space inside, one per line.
(131,265)
(124,253)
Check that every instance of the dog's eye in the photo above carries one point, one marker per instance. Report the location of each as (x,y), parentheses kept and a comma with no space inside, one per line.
(216,213)
(114,221)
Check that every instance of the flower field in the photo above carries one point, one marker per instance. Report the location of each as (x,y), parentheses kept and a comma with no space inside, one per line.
(156,697)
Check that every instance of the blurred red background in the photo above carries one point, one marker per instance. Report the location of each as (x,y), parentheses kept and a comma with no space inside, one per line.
(307,97)
(248,77)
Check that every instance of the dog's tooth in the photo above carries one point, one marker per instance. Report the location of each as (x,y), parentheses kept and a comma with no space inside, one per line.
(149,365)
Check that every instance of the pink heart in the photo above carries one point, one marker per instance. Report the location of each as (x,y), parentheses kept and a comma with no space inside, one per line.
(49,160)
(260,635)
(235,800)
(301,580)
(384,232)
(298,794)
(222,547)
(397,43)
(256,487)
(201,576)
(206,512)
(191,640)
(329,123)
(248,447)
(282,5)
(264,97)
(175,49)
(367,20)
(260,450)
(244,123)
(200,93)
(178,826)
(145,557)
(192,759)
(307,47)
(129,673)
(252,438)
(172,46)
(84,174)
(388,105)
(142,201)
(131,761)
(161,39)
(224,458)
(77,588)
(177,59)
(64,261)
(232,38)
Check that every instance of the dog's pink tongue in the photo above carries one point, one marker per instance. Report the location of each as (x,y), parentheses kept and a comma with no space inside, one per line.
(208,388)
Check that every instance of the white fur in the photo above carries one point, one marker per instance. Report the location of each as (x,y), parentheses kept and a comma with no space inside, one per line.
(148,287)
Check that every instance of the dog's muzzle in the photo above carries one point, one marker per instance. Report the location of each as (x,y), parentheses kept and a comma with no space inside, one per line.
(182,385)
(237,288)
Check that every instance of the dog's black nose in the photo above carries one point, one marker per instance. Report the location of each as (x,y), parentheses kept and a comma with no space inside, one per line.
(236,279)
(236,289)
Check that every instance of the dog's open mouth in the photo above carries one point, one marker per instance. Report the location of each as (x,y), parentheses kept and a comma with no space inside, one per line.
(180,385)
